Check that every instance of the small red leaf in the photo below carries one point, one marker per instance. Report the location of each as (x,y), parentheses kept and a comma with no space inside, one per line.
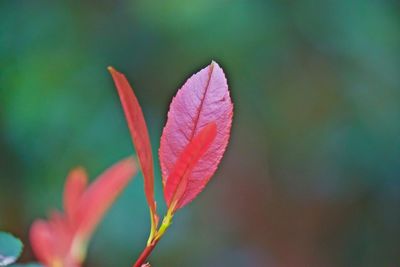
(203,99)
(51,239)
(74,187)
(42,240)
(140,137)
(100,195)
(61,231)
(178,179)
(63,238)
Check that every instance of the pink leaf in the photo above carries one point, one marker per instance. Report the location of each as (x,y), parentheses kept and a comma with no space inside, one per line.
(62,239)
(100,195)
(203,99)
(42,240)
(139,133)
(74,187)
(61,232)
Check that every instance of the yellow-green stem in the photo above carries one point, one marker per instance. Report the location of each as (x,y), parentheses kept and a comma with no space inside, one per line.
(153,229)
(155,235)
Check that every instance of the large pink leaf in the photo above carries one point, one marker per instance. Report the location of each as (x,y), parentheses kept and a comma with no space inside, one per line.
(140,137)
(203,99)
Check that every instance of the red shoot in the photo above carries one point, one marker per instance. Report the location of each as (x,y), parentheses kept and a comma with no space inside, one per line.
(192,144)
(62,240)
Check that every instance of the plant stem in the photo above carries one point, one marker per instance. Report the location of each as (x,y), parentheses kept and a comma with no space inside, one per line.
(145,254)
(154,225)
(154,238)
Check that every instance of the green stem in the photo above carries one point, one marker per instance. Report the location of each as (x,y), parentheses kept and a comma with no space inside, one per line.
(155,236)
(153,230)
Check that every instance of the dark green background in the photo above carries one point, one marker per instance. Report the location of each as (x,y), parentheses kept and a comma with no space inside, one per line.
(312,173)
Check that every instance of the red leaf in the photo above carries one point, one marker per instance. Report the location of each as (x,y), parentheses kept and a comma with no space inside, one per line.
(74,187)
(139,133)
(62,239)
(178,179)
(100,195)
(61,232)
(204,98)
(42,240)
(51,239)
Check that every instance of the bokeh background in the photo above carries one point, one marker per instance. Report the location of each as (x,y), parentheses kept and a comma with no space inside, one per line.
(312,173)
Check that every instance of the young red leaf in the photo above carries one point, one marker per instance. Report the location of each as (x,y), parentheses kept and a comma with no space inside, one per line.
(62,233)
(179,177)
(203,99)
(42,240)
(62,239)
(51,240)
(74,187)
(100,195)
(138,129)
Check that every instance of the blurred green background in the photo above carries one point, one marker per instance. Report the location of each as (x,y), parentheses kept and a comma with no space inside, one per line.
(312,173)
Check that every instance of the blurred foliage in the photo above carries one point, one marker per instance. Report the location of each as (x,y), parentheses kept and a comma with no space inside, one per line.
(311,177)
(10,248)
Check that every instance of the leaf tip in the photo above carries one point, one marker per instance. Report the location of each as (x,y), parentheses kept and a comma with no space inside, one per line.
(214,63)
(114,73)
